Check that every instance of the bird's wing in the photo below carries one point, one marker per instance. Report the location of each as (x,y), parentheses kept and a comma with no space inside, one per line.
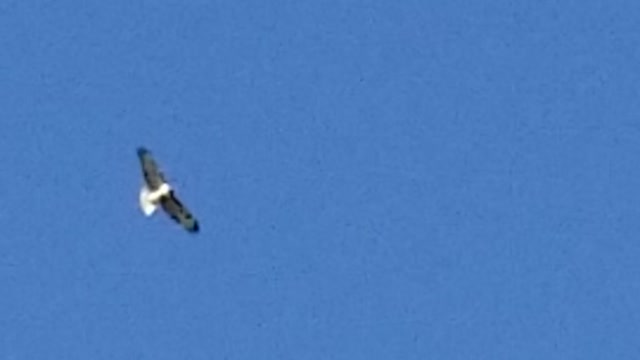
(179,212)
(152,174)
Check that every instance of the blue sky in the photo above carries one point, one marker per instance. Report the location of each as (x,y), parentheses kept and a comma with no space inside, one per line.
(373,179)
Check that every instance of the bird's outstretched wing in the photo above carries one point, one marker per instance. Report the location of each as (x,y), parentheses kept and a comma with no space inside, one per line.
(179,212)
(152,174)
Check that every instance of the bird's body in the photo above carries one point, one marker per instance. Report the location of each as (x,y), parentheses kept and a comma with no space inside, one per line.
(156,192)
(150,199)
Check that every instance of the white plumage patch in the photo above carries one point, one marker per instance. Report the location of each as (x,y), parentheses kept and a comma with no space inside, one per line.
(149,199)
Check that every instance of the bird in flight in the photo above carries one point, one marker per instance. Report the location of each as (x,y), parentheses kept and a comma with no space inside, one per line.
(157,192)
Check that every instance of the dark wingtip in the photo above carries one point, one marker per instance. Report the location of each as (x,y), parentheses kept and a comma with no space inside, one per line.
(142,151)
(195,228)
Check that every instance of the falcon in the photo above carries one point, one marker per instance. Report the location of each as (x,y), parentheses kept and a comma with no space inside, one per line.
(156,192)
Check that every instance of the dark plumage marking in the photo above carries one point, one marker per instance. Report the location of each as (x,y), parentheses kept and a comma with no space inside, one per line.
(152,174)
(179,213)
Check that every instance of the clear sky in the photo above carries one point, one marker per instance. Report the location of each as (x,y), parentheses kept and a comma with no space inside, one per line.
(374,179)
